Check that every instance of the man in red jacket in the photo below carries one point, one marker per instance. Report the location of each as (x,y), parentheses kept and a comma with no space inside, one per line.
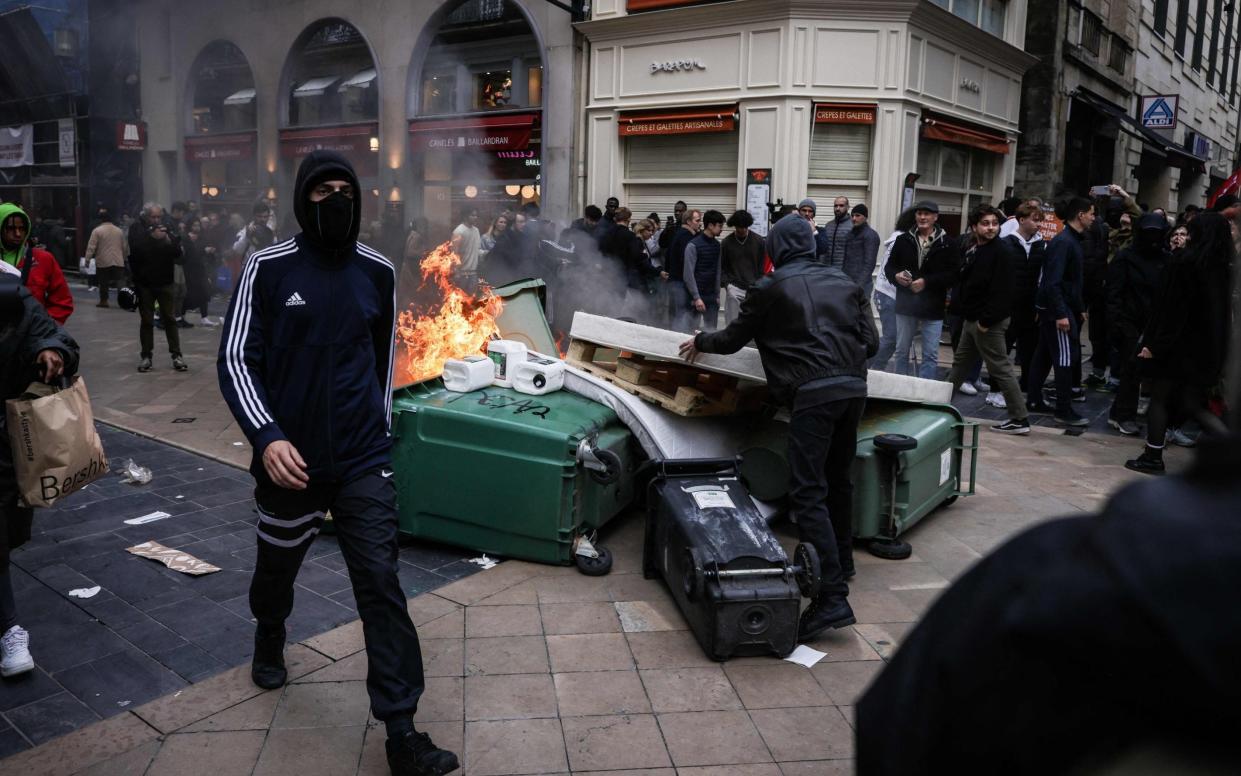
(38,269)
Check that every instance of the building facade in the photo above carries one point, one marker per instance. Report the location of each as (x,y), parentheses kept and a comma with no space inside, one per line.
(1136,92)
(1186,85)
(709,102)
(440,104)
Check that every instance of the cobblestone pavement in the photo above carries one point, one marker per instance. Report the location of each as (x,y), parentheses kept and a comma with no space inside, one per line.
(537,669)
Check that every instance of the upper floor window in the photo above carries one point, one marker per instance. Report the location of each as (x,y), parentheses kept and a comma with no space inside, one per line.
(484,57)
(987,14)
(332,77)
(1092,32)
(224,97)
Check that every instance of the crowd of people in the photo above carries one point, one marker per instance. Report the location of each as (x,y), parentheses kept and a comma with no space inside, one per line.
(1144,288)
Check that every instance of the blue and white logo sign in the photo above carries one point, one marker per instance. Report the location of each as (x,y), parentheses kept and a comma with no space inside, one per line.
(1159,111)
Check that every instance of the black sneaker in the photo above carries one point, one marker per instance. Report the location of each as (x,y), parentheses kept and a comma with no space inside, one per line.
(1012,426)
(1126,427)
(414,754)
(178,363)
(184,324)
(823,614)
(1071,418)
(1095,381)
(1041,407)
(144,365)
(1149,462)
(1078,395)
(267,668)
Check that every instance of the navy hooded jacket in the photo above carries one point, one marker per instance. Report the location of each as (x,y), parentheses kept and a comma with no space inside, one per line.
(307,349)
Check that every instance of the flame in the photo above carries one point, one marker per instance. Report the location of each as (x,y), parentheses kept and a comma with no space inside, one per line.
(454,324)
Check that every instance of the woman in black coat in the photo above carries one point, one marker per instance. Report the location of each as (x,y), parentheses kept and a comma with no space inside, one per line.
(1184,346)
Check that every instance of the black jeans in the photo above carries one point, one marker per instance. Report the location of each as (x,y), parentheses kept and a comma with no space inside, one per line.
(1125,367)
(1172,403)
(1023,336)
(1061,351)
(109,277)
(822,445)
(364,511)
(147,297)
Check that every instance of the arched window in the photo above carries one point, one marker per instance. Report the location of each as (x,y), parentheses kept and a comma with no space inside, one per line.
(332,77)
(484,57)
(223,91)
(220,130)
(475,108)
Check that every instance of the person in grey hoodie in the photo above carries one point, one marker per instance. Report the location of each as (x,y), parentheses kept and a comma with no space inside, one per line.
(814,332)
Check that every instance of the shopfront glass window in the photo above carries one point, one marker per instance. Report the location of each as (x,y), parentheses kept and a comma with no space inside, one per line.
(333,79)
(493,90)
(952,166)
(224,94)
(928,163)
(980,170)
(484,57)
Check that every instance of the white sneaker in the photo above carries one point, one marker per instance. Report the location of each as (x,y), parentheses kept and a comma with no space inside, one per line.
(15,652)
(1180,438)
(997,400)
(984,387)
(209,321)
(968,389)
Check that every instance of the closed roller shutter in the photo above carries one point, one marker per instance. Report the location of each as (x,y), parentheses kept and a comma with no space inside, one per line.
(825,194)
(682,157)
(646,198)
(840,152)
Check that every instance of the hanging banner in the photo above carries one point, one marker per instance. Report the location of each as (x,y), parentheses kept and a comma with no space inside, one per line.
(17,146)
(68,143)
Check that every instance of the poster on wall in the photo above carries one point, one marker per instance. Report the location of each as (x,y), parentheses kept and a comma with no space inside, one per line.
(68,143)
(757,195)
(17,146)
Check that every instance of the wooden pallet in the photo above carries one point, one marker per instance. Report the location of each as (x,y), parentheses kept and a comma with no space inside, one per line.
(677,387)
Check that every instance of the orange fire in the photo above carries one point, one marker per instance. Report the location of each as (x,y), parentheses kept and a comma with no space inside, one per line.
(455,325)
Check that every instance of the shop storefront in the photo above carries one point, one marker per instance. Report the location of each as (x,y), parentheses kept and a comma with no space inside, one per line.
(220,141)
(819,103)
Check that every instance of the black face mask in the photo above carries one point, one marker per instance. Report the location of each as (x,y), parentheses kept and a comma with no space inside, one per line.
(332,218)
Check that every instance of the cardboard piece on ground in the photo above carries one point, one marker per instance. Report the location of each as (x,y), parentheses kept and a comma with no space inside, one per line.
(173,559)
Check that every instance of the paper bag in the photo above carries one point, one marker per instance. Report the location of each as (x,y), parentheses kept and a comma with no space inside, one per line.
(56,449)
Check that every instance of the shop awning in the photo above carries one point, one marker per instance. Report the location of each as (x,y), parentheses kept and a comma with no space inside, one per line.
(683,121)
(935,127)
(315,87)
(232,147)
(505,132)
(360,80)
(843,113)
(1175,155)
(351,140)
(240,98)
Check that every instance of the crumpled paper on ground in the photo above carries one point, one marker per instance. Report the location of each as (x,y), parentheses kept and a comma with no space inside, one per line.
(173,559)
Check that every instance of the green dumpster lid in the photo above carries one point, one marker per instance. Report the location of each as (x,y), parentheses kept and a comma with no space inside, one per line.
(560,412)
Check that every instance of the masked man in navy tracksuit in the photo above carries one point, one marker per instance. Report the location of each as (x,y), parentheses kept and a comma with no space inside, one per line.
(306,367)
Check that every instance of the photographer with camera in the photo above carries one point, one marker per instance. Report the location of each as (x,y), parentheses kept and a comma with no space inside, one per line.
(153,252)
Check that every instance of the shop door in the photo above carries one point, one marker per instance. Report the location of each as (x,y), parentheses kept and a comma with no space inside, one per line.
(700,169)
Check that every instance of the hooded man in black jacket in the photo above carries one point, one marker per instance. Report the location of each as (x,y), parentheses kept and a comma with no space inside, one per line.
(154,249)
(305,365)
(1132,279)
(984,299)
(814,332)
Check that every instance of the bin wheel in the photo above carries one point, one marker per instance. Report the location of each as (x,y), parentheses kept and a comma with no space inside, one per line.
(890,549)
(948,501)
(695,574)
(594,567)
(610,460)
(808,572)
(895,443)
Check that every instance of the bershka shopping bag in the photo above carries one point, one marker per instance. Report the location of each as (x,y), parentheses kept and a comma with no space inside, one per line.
(56,449)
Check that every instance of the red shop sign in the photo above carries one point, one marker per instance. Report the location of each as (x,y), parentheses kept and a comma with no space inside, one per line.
(131,135)
(843,113)
(509,132)
(206,148)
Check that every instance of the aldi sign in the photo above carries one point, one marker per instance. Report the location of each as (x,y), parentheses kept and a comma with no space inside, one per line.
(1158,111)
